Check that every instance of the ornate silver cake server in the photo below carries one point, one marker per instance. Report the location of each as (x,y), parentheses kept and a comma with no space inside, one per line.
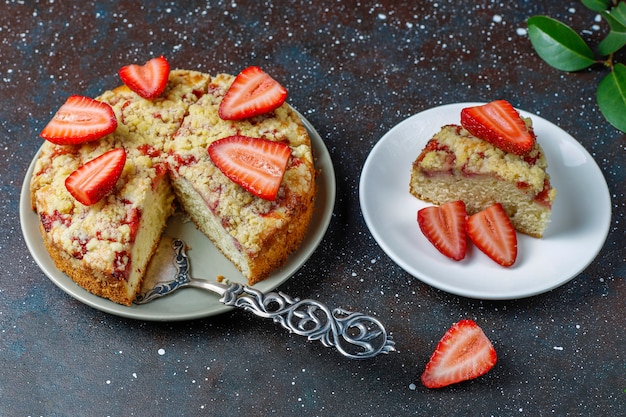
(354,335)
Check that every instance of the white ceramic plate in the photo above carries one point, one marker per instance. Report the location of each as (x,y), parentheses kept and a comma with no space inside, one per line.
(206,261)
(579,224)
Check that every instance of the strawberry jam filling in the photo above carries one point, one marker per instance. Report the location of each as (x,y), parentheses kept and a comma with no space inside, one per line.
(48,220)
(447,164)
(121,266)
(148,150)
(82,248)
(184,160)
(544,196)
(133,217)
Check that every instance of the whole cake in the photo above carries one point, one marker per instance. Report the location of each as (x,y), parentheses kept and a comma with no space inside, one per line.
(105,245)
(458,165)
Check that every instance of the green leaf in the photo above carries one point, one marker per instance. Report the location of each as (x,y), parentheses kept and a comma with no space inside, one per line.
(616,39)
(611,96)
(597,5)
(558,44)
(618,14)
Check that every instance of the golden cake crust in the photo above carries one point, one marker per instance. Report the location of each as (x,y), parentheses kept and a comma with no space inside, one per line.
(105,247)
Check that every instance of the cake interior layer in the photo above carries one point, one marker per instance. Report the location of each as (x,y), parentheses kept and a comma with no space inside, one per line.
(479,192)
(275,247)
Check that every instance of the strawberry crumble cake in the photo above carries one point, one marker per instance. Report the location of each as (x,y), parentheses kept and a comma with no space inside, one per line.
(103,235)
(480,171)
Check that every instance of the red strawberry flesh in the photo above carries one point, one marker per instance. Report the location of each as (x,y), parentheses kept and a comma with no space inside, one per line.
(445,227)
(80,119)
(253,92)
(95,179)
(256,164)
(499,124)
(493,233)
(148,80)
(463,353)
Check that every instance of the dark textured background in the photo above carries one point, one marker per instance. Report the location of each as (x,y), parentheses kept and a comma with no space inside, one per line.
(354,69)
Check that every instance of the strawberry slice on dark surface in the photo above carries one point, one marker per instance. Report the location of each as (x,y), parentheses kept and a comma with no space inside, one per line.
(256,164)
(148,80)
(80,119)
(493,233)
(463,353)
(499,124)
(445,227)
(95,179)
(253,92)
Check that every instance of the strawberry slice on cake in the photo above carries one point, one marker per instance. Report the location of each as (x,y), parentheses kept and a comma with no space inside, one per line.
(95,179)
(499,124)
(258,165)
(253,92)
(80,119)
(148,80)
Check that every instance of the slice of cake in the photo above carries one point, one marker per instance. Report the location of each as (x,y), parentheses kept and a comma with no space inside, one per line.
(105,245)
(256,234)
(456,165)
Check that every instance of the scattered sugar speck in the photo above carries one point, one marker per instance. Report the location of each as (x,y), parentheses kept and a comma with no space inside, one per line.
(521,31)
(558,348)
(412,387)
(382,16)
(161,351)
(497,18)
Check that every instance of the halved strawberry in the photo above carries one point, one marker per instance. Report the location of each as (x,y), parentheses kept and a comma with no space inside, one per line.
(463,353)
(492,232)
(444,227)
(253,92)
(499,124)
(80,119)
(148,80)
(256,164)
(96,178)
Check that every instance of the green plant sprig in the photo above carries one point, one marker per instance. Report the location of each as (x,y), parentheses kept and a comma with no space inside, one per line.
(562,48)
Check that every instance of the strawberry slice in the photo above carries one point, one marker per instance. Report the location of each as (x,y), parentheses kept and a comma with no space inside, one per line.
(96,178)
(499,124)
(148,80)
(444,227)
(253,92)
(80,119)
(463,353)
(492,232)
(256,164)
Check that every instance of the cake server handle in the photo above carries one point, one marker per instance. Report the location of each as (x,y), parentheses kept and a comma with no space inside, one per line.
(354,335)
